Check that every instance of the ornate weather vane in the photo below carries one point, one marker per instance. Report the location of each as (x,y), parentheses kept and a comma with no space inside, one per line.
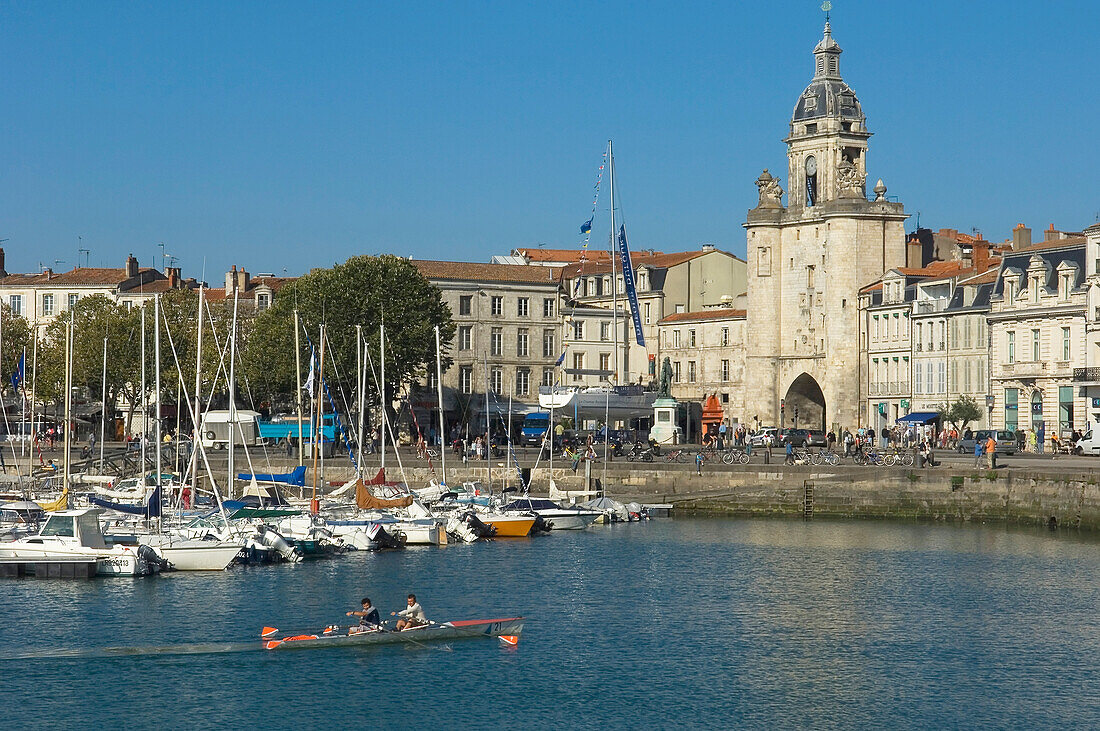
(826,6)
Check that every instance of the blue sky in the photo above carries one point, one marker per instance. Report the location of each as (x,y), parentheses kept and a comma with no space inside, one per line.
(289,135)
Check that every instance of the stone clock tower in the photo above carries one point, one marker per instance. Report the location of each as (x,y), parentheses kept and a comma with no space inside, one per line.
(808,259)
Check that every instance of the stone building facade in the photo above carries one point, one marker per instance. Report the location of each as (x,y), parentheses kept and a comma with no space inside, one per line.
(707,351)
(684,281)
(1037,323)
(808,259)
(508,334)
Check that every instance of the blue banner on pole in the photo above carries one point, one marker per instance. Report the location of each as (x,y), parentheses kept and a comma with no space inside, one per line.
(628,280)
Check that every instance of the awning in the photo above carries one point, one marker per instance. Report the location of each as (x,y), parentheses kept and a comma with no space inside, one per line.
(920,417)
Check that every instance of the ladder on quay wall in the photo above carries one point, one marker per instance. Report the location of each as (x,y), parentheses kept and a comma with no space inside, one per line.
(808,500)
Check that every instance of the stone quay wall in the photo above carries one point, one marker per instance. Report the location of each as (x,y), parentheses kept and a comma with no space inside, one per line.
(1014,495)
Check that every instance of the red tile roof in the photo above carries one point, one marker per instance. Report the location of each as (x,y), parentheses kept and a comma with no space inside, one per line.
(477,272)
(564,255)
(642,258)
(718,313)
(78,277)
(985,277)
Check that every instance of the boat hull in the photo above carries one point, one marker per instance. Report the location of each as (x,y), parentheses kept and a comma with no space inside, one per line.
(509,526)
(109,562)
(467,629)
(570,519)
(193,556)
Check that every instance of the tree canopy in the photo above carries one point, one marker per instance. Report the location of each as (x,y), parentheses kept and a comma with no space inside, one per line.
(361,291)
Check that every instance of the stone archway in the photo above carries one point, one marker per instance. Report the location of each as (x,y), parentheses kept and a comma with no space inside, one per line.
(804,394)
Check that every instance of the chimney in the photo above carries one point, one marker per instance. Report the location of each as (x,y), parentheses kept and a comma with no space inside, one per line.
(980,255)
(230,280)
(131,267)
(1021,237)
(242,280)
(1052,234)
(708,247)
(3,271)
(173,277)
(48,272)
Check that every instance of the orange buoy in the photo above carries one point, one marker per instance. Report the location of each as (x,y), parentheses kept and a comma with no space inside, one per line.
(510,640)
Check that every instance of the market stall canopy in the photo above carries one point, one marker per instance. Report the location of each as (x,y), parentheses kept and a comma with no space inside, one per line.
(920,417)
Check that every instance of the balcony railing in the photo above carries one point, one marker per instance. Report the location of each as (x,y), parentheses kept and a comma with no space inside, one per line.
(888,388)
(1086,374)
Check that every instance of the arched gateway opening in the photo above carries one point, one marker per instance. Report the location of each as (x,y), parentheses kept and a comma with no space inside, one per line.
(804,404)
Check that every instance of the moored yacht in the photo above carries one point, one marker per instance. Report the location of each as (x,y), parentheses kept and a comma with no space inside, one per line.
(75,535)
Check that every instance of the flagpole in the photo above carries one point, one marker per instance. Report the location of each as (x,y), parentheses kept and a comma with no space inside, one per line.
(34,387)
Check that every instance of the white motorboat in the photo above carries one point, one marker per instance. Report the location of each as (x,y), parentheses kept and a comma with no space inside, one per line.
(188,554)
(75,535)
(560,518)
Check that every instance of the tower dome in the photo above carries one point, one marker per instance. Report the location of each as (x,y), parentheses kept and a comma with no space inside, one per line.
(827,95)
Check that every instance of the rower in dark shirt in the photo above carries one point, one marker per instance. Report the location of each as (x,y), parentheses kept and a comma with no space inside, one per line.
(368,617)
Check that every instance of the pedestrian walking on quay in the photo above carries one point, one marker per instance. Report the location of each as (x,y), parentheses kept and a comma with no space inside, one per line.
(699,463)
(979,450)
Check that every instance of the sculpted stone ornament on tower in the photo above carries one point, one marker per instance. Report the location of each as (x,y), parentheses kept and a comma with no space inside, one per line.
(771,194)
(849,181)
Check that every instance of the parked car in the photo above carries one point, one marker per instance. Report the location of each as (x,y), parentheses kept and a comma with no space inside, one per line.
(1006,441)
(816,438)
(767,434)
(796,437)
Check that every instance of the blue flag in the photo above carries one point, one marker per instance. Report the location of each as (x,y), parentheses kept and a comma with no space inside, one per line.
(628,282)
(20,372)
(586,226)
(561,358)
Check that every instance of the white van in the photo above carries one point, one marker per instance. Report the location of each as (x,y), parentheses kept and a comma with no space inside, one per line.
(216,427)
(1090,442)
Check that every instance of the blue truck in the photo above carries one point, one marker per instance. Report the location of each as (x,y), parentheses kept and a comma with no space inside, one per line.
(535,426)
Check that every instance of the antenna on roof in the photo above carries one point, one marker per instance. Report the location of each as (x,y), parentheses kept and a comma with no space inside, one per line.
(977,232)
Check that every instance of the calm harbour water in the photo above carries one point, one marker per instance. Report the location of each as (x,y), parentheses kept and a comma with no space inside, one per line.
(700,622)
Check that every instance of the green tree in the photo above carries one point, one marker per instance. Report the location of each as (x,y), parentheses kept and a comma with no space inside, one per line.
(15,336)
(963,411)
(357,292)
(94,318)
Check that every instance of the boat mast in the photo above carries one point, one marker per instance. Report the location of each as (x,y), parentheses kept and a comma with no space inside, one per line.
(103,419)
(68,403)
(34,394)
(232,388)
(195,432)
(320,416)
(145,400)
(298,376)
(614,278)
(382,393)
(439,396)
(156,381)
(488,430)
(360,387)
(321,407)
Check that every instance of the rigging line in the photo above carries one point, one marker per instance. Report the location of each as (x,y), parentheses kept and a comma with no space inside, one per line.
(339,382)
(335,413)
(604,165)
(386,426)
(194,418)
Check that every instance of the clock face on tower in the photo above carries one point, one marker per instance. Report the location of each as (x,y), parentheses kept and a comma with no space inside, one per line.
(811,165)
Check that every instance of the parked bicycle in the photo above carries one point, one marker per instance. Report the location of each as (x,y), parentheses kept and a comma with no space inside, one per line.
(676,455)
(735,456)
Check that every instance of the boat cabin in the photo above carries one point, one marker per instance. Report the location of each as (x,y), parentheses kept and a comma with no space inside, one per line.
(68,526)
